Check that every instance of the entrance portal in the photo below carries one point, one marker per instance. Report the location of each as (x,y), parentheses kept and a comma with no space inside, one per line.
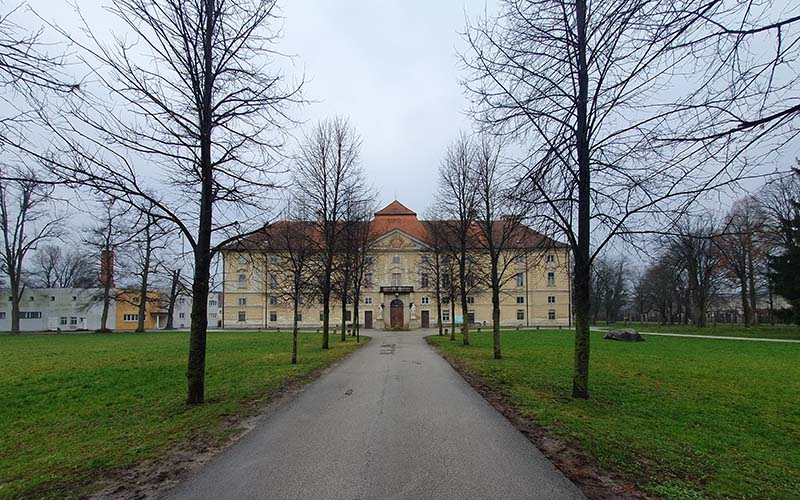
(396,314)
(368,320)
(426,319)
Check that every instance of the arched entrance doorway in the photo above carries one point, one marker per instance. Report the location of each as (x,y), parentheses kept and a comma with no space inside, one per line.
(396,314)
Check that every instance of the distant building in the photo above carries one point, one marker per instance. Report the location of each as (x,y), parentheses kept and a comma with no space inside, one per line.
(66,309)
(399,290)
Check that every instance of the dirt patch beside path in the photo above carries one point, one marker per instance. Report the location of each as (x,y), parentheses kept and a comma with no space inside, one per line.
(596,483)
(154,478)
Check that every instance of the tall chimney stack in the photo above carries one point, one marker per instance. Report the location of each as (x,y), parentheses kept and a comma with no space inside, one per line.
(107,268)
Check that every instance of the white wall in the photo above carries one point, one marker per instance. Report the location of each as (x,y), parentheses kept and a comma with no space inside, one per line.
(60,308)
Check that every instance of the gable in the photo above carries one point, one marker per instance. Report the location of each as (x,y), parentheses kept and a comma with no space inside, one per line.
(398,240)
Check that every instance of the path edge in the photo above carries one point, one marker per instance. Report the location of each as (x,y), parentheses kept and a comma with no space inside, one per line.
(594,482)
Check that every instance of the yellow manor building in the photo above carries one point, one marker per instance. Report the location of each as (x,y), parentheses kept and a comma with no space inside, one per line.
(399,290)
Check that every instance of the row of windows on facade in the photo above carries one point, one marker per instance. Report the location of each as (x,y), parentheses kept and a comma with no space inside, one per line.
(425,300)
(273,315)
(397,280)
(519,259)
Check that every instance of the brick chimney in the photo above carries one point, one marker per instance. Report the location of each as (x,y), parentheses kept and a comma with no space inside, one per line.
(107,268)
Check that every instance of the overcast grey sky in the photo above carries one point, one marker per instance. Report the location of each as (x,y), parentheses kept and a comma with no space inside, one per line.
(390,66)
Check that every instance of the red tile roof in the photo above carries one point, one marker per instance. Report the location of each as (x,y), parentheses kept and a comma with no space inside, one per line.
(397,216)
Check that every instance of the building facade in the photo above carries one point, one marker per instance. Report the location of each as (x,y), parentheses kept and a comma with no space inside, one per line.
(399,287)
(53,309)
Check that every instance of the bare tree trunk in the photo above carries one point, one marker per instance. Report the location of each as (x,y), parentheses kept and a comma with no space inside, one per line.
(294,329)
(496,309)
(452,318)
(15,296)
(173,295)
(580,379)
(439,310)
(196,369)
(462,276)
(344,316)
(356,323)
(326,313)
(752,278)
(143,289)
(106,306)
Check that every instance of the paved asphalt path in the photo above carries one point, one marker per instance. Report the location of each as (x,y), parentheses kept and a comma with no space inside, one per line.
(392,421)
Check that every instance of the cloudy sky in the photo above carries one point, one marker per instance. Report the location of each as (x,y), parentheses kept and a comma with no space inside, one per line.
(390,66)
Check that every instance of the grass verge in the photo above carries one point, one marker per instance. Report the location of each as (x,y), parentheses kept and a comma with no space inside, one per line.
(75,408)
(786,332)
(683,418)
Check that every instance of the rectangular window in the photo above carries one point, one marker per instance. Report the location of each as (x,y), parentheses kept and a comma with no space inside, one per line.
(368,300)
(242,301)
(2,315)
(395,259)
(299,316)
(368,280)
(130,318)
(551,314)
(471,317)
(30,315)
(73,321)
(273,300)
(301,300)
(181,315)
(550,258)
(182,301)
(242,316)
(273,259)
(551,299)
(212,315)
(212,302)
(551,278)
(520,314)
(273,316)
(426,300)
(396,279)
(520,300)
(445,316)
(242,281)
(347,315)
(321,315)
(520,279)
(425,280)
(470,300)
(273,280)
(63,320)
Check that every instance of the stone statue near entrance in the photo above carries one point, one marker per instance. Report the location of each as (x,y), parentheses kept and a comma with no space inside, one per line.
(380,310)
(413,311)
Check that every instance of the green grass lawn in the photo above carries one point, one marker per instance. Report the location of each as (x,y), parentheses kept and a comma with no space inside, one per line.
(790,331)
(75,406)
(685,418)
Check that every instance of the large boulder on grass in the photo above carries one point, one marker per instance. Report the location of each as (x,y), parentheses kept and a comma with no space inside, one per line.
(625,335)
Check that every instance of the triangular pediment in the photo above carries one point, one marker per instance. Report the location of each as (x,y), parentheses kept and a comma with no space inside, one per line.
(399,240)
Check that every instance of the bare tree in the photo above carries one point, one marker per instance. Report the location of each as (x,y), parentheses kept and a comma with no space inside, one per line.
(205,115)
(609,288)
(55,268)
(26,219)
(435,264)
(294,240)
(360,239)
(691,248)
(329,180)
(456,201)
(107,235)
(498,218)
(742,244)
(611,153)
(149,240)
